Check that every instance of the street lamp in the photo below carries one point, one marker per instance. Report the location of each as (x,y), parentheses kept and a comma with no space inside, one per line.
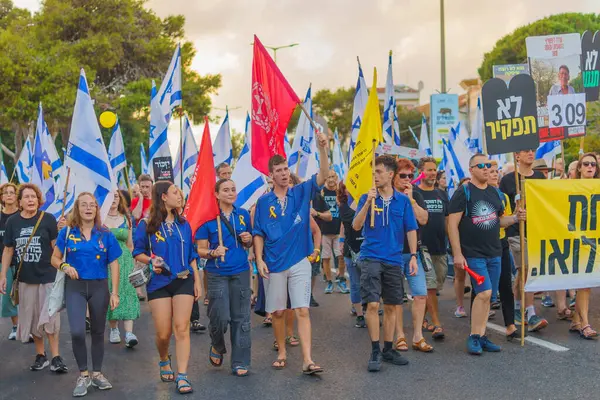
(275,48)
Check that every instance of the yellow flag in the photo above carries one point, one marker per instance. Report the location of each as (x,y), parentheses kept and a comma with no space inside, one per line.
(360,174)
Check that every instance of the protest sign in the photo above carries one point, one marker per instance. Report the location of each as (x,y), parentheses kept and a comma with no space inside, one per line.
(163,169)
(590,66)
(444,116)
(506,72)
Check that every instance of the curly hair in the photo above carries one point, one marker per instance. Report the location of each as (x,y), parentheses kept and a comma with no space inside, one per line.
(4,186)
(405,163)
(30,186)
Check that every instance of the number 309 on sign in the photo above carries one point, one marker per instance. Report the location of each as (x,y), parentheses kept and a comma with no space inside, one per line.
(566,110)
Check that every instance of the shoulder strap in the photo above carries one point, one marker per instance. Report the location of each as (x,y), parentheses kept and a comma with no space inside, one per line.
(230,228)
(501,195)
(468,197)
(37,224)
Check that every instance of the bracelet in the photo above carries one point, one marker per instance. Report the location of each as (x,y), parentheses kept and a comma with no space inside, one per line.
(115,294)
(63,266)
(317,250)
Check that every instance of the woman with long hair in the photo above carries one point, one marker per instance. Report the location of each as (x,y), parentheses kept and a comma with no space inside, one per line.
(440,181)
(165,242)
(228,278)
(8,201)
(587,168)
(84,251)
(119,222)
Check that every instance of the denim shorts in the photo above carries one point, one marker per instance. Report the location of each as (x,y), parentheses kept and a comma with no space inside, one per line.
(416,282)
(489,268)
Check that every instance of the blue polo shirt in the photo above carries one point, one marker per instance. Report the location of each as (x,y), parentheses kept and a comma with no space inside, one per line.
(90,257)
(385,241)
(287,234)
(175,246)
(236,257)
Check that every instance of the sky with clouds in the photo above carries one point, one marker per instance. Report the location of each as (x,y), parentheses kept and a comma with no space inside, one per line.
(332,33)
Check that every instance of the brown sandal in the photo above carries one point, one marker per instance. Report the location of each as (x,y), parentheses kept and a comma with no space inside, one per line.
(591,333)
(281,362)
(575,327)
(401,344)
(427,327)
(565,314)
(422,346)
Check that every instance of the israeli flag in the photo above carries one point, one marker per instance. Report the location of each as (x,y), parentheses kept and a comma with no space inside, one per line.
(122,185)
(286,145)
(448,166)
(222,149)
(390,113)
(41,171)
(339,164)
(159,145)
(56,208)
(25,162)
(547,151)
(424,142)
(86,157)
(132,178)
(476,141)
(304,146)
(459,146)
(250,184)
(116,150)
(169,94)
(190,156)
(358,109)
(3,174)
(459,171)
(143,159)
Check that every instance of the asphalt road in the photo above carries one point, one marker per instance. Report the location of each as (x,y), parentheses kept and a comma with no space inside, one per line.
(530,372)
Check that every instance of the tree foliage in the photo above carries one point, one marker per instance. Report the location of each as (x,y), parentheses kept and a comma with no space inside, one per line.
(121,44)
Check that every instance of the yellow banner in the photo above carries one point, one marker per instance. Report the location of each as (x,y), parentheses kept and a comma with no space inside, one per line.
(562,234)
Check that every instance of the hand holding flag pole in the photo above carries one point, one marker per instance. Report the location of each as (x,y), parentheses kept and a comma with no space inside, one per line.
(220,233)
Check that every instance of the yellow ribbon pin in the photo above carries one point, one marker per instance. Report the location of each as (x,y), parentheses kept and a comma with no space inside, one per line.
(272,212)
(378,210)
(74,239)
(159,237)
(242,222)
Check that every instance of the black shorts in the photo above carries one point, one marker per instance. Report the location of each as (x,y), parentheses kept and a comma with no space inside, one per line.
(175,288)
(379,280)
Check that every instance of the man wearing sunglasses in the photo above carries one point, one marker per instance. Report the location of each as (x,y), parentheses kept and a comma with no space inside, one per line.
(525,160)
(475,217)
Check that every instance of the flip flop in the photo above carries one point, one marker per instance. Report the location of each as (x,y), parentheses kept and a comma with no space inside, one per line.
(593,335)
(268,321)
(212,354)
(282,363)
(312,369)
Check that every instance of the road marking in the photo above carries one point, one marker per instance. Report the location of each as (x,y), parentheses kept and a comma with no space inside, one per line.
(539,342)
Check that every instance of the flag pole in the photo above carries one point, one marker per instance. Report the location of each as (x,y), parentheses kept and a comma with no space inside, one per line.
(518,205)
(220,232)
(127,180)
(373,184)
(62,213)
(12,176)
(181,144)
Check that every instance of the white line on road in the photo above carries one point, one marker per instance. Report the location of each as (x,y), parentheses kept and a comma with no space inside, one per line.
(539,342)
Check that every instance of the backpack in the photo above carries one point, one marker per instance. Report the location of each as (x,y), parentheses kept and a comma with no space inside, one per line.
(468,196)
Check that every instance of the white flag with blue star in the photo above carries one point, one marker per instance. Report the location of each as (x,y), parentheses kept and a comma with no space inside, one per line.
(339,163)
(25,162)
(190,156)
(143,160)
(391,128)
(159,145)
(41,170)
(424,141)
(222,148)
(358,109)
(116,150)
(169,94)
(304,146)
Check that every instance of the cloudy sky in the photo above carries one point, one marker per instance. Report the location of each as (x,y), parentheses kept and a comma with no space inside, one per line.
(332,33)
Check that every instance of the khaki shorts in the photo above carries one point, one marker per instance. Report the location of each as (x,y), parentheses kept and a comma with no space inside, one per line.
(293,282)
(331,246)
(515,248)
(440,266)
(33,312)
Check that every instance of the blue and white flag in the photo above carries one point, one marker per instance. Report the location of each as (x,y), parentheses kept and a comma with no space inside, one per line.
(3,174)
(391,128)
(121,183)
(459,146)
(287,147)
(25,162)
(424,142)
(476,141)
(500,159)
(358,109)
(547,151)
(250,184)
(42,170)
(190,156)
(304,146)
(452,176)
(169,94)
(159,145)
(143,159)
(339,163)
(116,150)
(86,157)
(131,176)
(222,149)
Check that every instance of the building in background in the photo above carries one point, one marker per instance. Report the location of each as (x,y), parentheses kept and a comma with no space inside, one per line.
(406,96)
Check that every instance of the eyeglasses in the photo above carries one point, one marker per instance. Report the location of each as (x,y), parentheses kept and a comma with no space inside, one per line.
(86,205)
(8,193)
(404,176)
(589,163)
(482,165)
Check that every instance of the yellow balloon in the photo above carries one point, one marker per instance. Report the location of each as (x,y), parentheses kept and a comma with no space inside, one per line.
(108,119)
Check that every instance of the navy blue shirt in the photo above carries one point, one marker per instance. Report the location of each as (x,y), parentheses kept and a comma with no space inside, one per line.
(287,234)
(89,256)
(236,257)
(393,219)
(175,246)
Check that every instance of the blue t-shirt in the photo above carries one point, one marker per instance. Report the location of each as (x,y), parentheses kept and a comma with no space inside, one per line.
(287,234)
(236,257)
(175,246)
(90,257)
(393,219)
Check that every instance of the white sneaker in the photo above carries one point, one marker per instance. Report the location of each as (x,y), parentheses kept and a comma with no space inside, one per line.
(13,333)
(130,340)
(115,336)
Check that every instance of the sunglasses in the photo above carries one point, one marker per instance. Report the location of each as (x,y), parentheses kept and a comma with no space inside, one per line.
(589,164)
(482,165)
(404,176)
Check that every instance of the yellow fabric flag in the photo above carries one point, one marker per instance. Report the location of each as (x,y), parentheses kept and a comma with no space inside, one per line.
(360,174)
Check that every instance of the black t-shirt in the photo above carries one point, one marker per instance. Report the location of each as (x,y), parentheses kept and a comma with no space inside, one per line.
(508,185)
(433,234)
(353,238)
(3,218)
(36,267)
(327,200)
(421,203)
(479,227)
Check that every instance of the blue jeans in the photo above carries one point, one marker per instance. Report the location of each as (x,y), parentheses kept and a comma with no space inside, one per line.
(417,284)
(354,274)
(487,267)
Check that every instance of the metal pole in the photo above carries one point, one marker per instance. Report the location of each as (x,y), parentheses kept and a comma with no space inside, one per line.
(443,45)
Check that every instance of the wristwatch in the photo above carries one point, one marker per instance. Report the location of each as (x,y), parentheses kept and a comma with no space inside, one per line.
(413,255)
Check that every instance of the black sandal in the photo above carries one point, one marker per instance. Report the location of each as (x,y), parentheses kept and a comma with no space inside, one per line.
(213,354)
(312,369)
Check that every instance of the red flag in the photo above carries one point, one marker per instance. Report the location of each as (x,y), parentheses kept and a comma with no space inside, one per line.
(273,102)
(202,205)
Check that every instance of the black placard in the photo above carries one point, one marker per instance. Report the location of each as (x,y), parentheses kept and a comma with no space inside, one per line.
(590,64)
(510,115)
(163,169)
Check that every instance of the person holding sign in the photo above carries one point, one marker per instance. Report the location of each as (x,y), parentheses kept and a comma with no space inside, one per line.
(587,168)
(381,261)
(474,221)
